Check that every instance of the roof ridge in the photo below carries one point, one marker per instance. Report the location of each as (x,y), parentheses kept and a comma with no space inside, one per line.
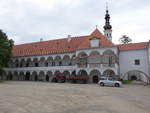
(51,40)
(131,43)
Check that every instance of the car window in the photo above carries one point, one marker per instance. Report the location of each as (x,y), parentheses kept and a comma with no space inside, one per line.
(102,78)
(111,79)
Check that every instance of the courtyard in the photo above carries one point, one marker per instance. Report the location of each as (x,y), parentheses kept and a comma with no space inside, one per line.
(42,97)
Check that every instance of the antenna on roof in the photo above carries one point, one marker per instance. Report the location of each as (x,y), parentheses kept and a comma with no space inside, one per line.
(41,39)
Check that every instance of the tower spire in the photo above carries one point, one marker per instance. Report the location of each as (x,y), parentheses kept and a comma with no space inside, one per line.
(107,26)
(106,6)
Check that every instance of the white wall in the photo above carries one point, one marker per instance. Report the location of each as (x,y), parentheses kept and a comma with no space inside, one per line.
(95,42)
(127,61)
(148,53)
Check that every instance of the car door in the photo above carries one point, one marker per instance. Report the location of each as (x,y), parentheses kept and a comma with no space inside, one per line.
(107,82)
(110,81)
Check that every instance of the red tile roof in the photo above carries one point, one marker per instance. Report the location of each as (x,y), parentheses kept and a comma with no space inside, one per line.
(59,46)
(133,46)
(66,45)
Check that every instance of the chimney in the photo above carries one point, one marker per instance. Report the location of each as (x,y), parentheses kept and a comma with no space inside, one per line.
(41,39)
(69,38)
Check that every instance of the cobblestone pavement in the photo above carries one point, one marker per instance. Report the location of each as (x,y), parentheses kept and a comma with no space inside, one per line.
(40,97)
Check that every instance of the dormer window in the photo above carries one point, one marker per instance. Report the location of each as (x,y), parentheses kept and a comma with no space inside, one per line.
(94,42)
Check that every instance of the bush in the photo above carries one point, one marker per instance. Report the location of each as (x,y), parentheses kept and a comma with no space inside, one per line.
(126,81)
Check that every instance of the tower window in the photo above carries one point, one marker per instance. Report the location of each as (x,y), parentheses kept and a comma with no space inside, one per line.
(137,62)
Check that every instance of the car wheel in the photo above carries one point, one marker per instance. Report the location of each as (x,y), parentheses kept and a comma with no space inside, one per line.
(101,84)
(117,85)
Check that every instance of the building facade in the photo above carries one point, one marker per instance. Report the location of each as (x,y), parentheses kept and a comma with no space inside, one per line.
(93,56)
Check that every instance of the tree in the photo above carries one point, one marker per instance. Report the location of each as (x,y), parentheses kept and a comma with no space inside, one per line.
(5,50)
(125,39)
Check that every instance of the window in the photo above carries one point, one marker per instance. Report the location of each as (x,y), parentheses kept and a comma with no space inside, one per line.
(103,78)
(110,79)
(36,64)
(53,63)
(27,64)
(21,65)
(60,63)
(17,65)
(137,62)
(46,64)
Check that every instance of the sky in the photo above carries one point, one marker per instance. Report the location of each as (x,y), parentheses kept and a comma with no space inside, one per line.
(27,21)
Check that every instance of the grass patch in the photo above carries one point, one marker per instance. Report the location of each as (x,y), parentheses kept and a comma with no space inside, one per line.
(1,81)
(127,81)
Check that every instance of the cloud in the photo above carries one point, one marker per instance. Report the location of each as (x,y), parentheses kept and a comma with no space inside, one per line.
(29,20)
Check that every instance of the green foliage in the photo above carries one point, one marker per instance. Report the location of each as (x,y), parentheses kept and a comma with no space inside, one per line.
(125,39)
(5,50)
(126,81)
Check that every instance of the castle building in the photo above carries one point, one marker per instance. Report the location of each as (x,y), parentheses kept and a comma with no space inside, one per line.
(90,56)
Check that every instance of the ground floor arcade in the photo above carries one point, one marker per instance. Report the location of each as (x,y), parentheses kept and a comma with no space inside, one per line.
(92,75)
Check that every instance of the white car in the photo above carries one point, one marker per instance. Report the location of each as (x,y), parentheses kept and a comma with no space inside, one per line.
(109,81)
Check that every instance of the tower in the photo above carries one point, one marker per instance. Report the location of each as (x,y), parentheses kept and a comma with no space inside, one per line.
(107,26)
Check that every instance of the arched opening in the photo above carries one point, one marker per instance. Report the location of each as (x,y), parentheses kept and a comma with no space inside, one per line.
(15,76)
(109,58)
(94,59)
(82,73)
(95,79)
(42,62)
(29,62)
(35,62)
(21,76)
(109,73)
(41,76)
(135,75)
(49,61)
(82,60)
(35,76)
(94,76)
(58,61)
(73,73)
(10,63)
(94,53)
(73,60)
(22,63)
(66,61)
(47,78)
(16,63)
(66,73)
(27,76)
(10,76)
(82,76)
(57,74)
